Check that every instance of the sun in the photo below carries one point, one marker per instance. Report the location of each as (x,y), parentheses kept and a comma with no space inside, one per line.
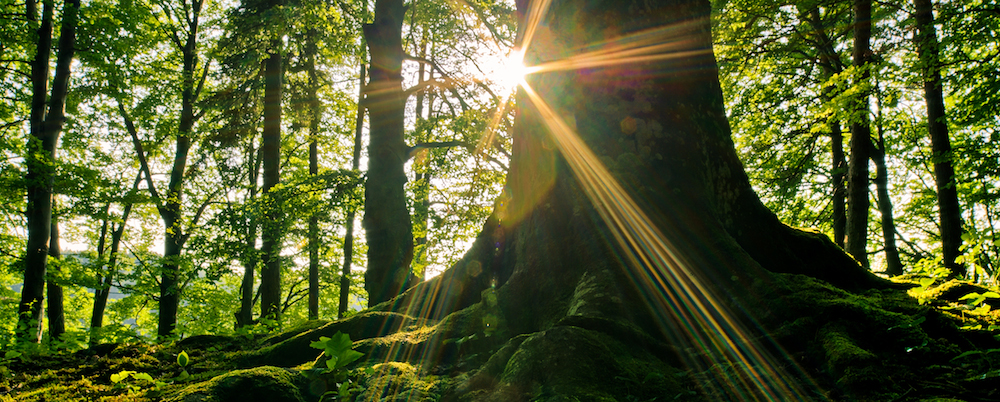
(510,72)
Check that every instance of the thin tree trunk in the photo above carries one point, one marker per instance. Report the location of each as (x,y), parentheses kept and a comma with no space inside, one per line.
(270,278)
(45,126)
(250,257)
(103,289)
(893,265)
(316,113)
(949,210)
(387,218)
(831,65)
(171,210)
(54,305)
(345,272)
(422,180)
(857,173)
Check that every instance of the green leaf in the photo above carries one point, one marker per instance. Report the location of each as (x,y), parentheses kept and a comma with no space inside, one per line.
(926,282)
(348,357)
(320,344)
(182,359)
(143,376)
(969,353)
(117,378)
(340,342)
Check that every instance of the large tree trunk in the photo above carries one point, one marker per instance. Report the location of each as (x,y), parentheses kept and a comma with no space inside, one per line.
(46,122)
(627,218)
(387,218)
(270,275)
(857,172)
(949,210)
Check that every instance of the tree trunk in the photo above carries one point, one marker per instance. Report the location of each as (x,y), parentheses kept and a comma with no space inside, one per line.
(105,281)
(422,182)
(316,113)
(54,305)
(857,172)
(250,257)
(171,208)
(387,218)
(270,275)
(45,126)
(949,210)
(831,65)
(345,272)
(893,265)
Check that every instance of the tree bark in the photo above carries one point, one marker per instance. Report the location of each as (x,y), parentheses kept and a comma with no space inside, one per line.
(345,272)
(270,278)
(626,207)
(250,257)
(46,122)
(387,218)
(105,281)
(171,208)
(422,182)
(857,173)
(54,305)
(831,65)
(893,265)
(949,210)
(316,113)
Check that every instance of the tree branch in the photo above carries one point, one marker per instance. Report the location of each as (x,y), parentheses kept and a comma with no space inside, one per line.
(143,163)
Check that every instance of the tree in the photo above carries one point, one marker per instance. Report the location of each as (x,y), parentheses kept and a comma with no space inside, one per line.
(949,211)
(857,171)
(46,122)
(626,212)
(53,289)
(387,218)
(183,26)
(270,281)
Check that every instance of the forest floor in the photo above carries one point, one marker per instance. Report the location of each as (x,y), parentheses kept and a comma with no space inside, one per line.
(957,360)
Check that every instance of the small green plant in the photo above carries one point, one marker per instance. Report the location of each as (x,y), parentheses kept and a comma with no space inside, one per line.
(183,360)
(133,381)
(339,352)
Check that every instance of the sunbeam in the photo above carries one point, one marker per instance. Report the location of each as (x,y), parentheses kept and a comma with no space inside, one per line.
(669,284)
(667,279)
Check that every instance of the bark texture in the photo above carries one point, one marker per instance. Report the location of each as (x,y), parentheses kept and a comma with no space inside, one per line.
(270,273)
(387,218)
(857,172)
(46,122)
(949,210)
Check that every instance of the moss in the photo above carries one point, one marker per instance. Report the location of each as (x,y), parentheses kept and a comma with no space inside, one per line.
(258,384)
(396,381)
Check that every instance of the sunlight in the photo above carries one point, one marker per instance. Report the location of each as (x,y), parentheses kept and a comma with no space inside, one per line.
(511,71)
(671,288)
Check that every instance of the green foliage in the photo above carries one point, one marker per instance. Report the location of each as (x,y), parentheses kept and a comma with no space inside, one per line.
(134,381)
(339,353)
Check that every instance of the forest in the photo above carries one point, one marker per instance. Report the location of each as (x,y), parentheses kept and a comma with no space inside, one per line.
(499,200)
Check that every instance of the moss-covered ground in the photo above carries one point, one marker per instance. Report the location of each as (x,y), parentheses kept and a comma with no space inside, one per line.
(929,343)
